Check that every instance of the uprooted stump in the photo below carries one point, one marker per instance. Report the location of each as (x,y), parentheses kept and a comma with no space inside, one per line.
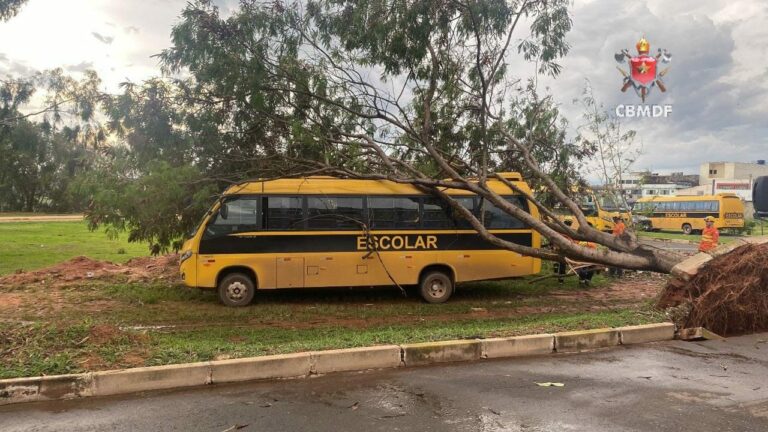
(727,295)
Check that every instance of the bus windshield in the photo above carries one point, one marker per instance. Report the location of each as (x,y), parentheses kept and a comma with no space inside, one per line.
(611,202)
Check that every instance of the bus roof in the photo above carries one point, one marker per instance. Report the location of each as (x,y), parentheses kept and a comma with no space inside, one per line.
(325,185)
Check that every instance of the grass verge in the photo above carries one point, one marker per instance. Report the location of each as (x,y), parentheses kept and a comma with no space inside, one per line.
(108,326)
(33,245)
(83,346)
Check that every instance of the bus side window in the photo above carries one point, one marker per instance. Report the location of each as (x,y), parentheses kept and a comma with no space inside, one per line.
(459,220)
(335,213)
(283,213)
(436,214)
(393,212)
(241,216)
(496,218)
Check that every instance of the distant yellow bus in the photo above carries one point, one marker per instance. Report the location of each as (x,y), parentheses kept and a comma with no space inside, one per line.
(329,232)
(687,213)
(599,210)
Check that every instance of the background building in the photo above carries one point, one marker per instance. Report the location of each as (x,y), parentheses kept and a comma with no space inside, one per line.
(726,171)
(729,177)
(645,183)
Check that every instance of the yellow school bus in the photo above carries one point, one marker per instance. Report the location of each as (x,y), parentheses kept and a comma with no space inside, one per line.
(599,210)
(330,232)
(687,213)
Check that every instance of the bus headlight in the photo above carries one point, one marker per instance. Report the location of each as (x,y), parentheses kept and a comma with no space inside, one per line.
(185,256)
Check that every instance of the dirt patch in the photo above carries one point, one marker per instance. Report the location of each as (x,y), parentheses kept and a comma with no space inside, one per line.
(82,268)
(103,333)
(9,301)
(728,295)
(136,357)
(630,287)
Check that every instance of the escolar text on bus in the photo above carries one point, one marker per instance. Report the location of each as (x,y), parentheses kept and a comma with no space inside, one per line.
(397,242)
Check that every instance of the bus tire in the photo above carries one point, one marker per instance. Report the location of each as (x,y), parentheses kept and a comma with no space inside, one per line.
(687,229)
(436,287)
(236,290)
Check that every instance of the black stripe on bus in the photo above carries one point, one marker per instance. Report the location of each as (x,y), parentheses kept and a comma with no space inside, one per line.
(350,243)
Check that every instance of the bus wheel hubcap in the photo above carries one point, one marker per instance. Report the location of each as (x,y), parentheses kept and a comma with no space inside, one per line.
(236,290)
(436,288)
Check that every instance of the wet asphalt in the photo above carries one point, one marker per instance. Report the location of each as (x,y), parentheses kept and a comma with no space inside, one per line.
(669,386)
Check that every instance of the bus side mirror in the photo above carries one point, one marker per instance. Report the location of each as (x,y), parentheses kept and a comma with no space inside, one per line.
(760,196)
(224,211)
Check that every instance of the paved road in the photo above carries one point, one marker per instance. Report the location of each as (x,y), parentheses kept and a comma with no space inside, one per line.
(674,386)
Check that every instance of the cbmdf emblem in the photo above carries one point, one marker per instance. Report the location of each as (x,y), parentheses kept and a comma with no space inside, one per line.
(643,73)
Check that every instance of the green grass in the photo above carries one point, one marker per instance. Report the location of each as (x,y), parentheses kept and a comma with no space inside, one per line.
(65,348)
(32,245)
(161,323)
(760,228)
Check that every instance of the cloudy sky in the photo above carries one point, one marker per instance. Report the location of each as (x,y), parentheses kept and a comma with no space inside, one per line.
(718,83)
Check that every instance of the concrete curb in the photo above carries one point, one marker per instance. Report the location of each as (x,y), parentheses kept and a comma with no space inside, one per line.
(420,354)
(576,341)
(299,365)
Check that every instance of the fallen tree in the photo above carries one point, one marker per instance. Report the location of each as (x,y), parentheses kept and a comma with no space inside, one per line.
(411,92)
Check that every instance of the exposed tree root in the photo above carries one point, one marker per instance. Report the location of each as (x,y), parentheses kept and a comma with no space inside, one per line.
(728,295)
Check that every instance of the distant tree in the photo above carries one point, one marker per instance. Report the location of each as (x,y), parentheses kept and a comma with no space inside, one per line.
(614,146)
(44,148)
(9,8)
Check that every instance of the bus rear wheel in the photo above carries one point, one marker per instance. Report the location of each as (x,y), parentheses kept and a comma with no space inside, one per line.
(436,287)
(236,289)
(687,229)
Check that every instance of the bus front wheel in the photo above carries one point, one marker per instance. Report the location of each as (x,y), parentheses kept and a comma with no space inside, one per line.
(236,289)
(436,287)
(687,229)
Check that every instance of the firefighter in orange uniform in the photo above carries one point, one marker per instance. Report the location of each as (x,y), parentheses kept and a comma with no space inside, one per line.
(618,226)
(618,230)
(709,235)
(586,273)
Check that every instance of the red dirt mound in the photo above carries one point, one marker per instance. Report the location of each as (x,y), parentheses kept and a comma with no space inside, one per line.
(82,268)
(728,295)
